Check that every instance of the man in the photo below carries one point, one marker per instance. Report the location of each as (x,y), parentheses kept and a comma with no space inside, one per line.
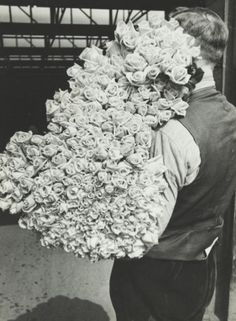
(176,278)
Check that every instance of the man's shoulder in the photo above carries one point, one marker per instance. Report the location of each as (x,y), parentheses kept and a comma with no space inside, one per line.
(177,133)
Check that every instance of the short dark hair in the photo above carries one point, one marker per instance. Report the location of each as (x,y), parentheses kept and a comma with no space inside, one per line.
(207,27)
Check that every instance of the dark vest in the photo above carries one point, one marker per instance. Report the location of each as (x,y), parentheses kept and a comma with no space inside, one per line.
(198,214)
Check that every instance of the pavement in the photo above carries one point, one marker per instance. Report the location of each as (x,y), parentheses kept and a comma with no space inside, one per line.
(39,284)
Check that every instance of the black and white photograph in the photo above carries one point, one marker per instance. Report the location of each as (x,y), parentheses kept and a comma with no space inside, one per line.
(117,160)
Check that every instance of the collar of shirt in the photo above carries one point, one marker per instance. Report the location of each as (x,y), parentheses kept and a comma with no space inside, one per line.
(207,80)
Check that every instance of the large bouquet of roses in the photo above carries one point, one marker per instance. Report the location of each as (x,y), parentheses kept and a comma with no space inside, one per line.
(88,184)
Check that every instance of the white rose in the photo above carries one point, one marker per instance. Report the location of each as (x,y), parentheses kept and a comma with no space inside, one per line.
(5,204)
(137,78)
(135,62)
(21,137)
(179,75)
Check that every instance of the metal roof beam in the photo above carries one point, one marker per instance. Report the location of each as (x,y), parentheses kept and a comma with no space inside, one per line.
(107,4)
(35,63)
(56,29)
(7,51)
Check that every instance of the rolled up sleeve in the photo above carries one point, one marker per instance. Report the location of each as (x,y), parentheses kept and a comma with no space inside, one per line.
(181,156)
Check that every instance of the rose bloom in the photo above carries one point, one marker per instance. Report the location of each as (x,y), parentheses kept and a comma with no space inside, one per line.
(59,159)
(5,204)
(121,29)
(135,160)
(92,106)
(144,138)
(89,93)
(129,41)
(92,54)
(58,96)
(155,20)
(153,108)
(119,131)
(21,137)
(123,93)
(54,128)
(167,64)
(112,89)
(152,120)
(149,51)
(89,141)
(153,71)
(119,181)
(127,145)
(29,204)
(117,60)
(101,97)
(165,115)
(26,184)
(72,143)
(70,131)
(179,107)
(145,178)
(49,150)
(121,117)
(144,27)
(103,80)
(179,75)
(143,152)
(129,106)
(59,118)
(97,118)
(75,88)
(182,59)
(72,192)
(172,92)
(3,175)
(58,188)
(108,126)
(137,97)
(17,163)
(16,208)
(142,109)
(13,148)
(164,104)
(112,48)
(134,125)
(123,82)
(37,140)
(114,154)
(52,107)
(6,187)
(69,169)
(137,78)
(161,33)
(117,103)
(103,176)
(135,192)
(144,92)
(135,62)
(32,152)
(73,70)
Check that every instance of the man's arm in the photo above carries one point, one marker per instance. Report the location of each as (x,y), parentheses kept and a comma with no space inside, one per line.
(181,156)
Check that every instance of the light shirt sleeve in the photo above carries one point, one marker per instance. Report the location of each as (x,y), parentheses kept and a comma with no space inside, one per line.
(181,156)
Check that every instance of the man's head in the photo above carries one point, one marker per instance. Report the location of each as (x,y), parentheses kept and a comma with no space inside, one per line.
(207,27)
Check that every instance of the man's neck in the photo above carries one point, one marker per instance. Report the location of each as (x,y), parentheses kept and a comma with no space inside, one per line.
(207,80)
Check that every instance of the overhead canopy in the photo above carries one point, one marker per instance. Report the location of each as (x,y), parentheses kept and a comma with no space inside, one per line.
(67,27)
(107,4)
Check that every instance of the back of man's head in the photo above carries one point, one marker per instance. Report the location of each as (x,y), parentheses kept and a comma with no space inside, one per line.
(207,27)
